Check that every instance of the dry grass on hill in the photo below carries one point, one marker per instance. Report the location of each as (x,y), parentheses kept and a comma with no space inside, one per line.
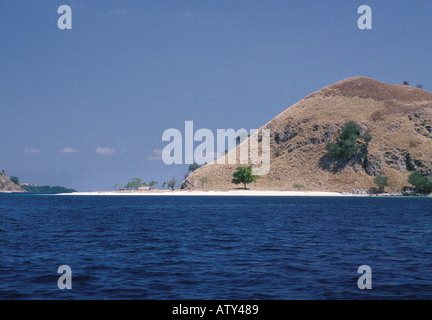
(398,117)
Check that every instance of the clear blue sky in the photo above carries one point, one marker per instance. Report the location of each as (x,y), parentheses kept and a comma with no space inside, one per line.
(128,70)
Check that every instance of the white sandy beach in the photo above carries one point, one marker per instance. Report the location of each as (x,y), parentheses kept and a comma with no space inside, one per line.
(254,193)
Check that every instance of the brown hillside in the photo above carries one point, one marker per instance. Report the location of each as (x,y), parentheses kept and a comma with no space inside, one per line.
(6,185)
(398,117)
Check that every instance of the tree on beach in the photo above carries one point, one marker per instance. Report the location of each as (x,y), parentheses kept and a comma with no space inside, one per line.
(170,183)
(244,175)
(135,183)
(152,184)
(118,186)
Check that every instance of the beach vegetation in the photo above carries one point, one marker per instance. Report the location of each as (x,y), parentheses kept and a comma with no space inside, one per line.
(118,187)
(135,183)
(244,175)
(152,184)
(421,182)
(298,186)
(170,184)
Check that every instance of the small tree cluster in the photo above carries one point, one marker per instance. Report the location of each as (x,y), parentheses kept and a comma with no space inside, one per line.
(421,182)
(192,167)
(170,183)
(381,181)
(298,186)
(347,144)
(15,180)
(406,83)
(135,183)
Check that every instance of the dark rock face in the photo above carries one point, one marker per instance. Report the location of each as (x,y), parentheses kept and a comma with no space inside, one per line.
(373,165)
(400,159)
(282,137)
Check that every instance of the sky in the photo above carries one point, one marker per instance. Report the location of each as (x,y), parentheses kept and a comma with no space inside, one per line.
(86,107)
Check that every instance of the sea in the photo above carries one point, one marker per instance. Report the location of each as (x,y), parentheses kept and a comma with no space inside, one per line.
(215,247)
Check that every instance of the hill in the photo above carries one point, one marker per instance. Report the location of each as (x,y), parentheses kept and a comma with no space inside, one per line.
(398,117)
(7,185)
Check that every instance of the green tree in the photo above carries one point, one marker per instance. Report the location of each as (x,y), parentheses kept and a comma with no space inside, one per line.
(423,183)
(367,137)
(381,181)
(152,184)
(348,148)
(347,144)
(333,149)
(170,183)
(193,167)
(15,180)
(135,183)
(350,131)
(118,186)
(244,175)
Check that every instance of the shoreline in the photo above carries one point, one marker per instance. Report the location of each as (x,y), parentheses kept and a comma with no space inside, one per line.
(254,193)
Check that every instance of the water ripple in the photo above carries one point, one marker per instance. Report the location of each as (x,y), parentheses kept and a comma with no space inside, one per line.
(214,247)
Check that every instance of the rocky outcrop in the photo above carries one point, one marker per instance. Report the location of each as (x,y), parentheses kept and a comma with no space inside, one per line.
(6,185)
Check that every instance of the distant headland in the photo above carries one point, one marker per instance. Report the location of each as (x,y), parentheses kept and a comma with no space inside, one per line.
(13,185)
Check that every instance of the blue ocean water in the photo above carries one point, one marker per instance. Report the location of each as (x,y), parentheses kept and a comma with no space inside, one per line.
(156,247)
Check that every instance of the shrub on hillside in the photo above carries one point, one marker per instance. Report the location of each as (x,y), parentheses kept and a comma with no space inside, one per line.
(381,181)
(347,144)
(420,182)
